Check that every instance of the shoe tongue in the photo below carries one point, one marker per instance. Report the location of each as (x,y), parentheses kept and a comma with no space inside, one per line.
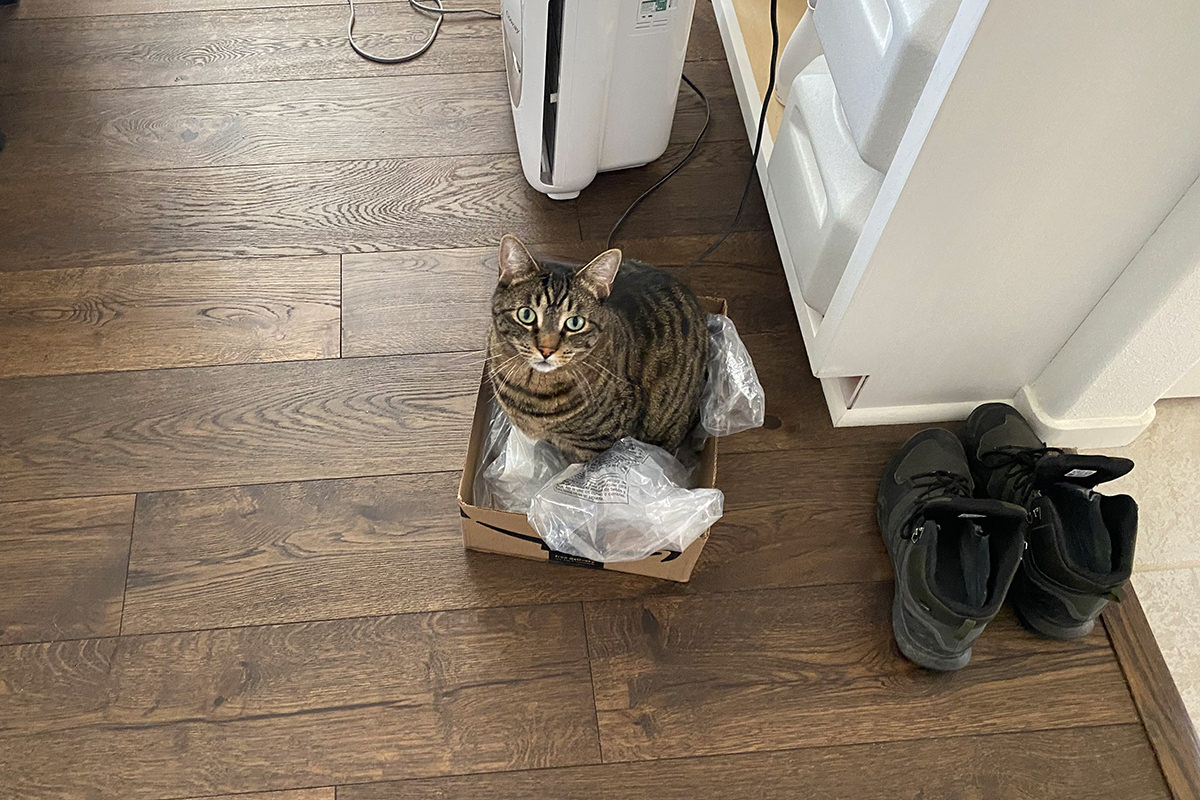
(969,522)
(1086,471)
(976,557)
(1078,513)
(959,560)
(980,510)
(1100,549)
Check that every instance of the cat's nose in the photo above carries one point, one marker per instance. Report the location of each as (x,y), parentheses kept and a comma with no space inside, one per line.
(545,351)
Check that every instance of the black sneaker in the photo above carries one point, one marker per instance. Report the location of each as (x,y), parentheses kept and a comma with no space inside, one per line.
(1080,542)
(954,555)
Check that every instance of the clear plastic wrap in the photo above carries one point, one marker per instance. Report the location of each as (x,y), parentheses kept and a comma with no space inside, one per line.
(733,399)
(624,505)
(512,466)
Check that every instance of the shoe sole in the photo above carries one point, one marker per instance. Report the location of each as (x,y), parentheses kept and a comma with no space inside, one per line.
(908,645)
(913,651)
(1045,627)
(1026,592)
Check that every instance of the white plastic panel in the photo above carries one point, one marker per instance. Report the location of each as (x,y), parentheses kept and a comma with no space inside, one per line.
(880,53)
(823,189)
(648,55)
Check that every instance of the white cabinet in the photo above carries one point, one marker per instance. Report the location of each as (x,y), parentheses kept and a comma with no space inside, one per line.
(1048,144)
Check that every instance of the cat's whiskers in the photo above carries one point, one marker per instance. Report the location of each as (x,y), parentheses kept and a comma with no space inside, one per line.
(457,360)
(600,368)
(582,383)
(512,366)
(502,370)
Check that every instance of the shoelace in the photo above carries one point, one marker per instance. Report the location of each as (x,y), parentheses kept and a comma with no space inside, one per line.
(936,484)
(1021,463)
(940,482)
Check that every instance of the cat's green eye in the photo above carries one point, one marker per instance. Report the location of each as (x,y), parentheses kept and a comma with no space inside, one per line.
(575,324)
(526,315)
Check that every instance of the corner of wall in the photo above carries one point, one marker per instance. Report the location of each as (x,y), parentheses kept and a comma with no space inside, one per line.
(1083,433)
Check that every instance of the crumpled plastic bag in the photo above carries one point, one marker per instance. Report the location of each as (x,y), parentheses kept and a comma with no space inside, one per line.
(624,505)
(733,399)
(512,466)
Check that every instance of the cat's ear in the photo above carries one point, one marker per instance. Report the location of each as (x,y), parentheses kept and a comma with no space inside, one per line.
(516,262)
(600,272)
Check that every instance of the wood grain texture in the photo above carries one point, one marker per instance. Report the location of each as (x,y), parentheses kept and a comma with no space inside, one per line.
(747,249)
(751,671)
(64,568)
(1162,711)
(749,277)
(427,301)
(221,557)
(231,41)
(419,301)
(245,555)
(275,707)
(51,9)
(701,198)
(287,512)
(258,123)
(218,426)
(145,316)
(289,121)
(273,210)
(745,270)
(245,40)
(796,518)
(233,46)
(1040,765)
(705,44)
(323,793)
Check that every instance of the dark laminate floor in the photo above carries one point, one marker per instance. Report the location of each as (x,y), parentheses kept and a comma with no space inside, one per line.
(243,283)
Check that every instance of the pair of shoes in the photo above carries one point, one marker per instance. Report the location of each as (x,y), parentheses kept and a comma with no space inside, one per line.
(1080,542)
(1037,526)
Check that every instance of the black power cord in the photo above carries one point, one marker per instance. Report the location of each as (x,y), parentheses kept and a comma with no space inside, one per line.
(674,169)
(762,126)
(439,11)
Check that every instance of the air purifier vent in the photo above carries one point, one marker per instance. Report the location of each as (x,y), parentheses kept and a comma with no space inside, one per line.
(554,21)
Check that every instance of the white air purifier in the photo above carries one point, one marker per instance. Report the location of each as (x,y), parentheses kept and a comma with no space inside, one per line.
(593,84)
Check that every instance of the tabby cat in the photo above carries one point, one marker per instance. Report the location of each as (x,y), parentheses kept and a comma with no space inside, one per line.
(583,356)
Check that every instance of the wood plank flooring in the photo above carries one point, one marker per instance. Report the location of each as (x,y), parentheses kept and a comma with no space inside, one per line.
(66,563)
(244,279)
(296,121)
(213,712)
(667,668)
(148,316)
(1024,766)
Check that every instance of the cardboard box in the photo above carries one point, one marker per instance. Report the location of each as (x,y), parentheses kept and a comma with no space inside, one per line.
(506,533)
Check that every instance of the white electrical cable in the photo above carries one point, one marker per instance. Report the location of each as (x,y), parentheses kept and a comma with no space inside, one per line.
(439,11)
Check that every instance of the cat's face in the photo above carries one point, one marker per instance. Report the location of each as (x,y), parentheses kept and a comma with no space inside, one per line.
(550,314)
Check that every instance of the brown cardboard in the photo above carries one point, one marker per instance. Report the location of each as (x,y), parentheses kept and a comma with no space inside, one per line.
(503,532)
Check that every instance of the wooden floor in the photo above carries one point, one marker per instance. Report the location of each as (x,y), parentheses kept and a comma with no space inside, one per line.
(243,289)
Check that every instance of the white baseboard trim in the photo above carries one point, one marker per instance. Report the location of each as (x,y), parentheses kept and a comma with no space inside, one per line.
(1087,433)
(1084,434)
(891,415)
